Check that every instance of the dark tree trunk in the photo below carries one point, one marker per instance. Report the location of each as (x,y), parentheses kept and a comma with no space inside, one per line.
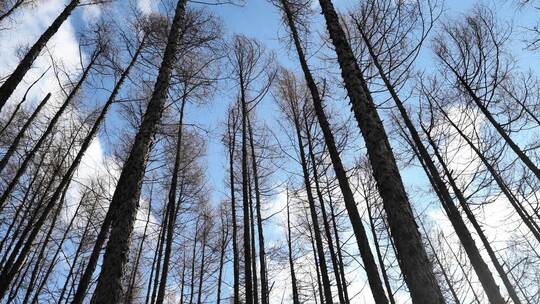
(526,218)
(149,289)
(159,258)
(328,234)
(193,255)
(317,264)
(260,231)
(348,197)
(379,254)
(312,209)
(462,231)
(129,293)
(201,269)
(172,207)
(9,86)
(296,299)
(464,205)
(224,243)
(338,246)
(183,282)
(253,246)
(248,278)
(83,284)
(231,133)
(412,256)
(125,200)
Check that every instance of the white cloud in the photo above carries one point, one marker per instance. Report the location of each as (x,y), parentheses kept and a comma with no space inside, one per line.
(145,6)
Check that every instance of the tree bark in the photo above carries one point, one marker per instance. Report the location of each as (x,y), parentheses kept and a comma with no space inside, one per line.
(348,197)
(328,234)
(171,207)
(125,200)
(412,256)
(482,270)
(248,279)
(236,265)
(260,231)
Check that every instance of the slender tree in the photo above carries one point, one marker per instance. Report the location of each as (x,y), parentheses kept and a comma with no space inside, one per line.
(125,200)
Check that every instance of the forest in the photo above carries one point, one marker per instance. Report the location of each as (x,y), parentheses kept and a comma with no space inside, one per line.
(269,151)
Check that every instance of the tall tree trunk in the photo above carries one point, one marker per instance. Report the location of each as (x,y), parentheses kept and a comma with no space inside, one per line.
(412,256)
(224,243)
(294,285)
(328,234)
(260,231)
(317,264)
(348,197)
(338,246)
(193,255)
(462,231)
(312,209)
(201,269)
(9,86)
(125,200)
(231,133)
(183,282)
(153,268)
(85,145)
(129,293)
(253,246)
(379,254)
(159,259)
(171,207)
(464,205)
(248,279)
